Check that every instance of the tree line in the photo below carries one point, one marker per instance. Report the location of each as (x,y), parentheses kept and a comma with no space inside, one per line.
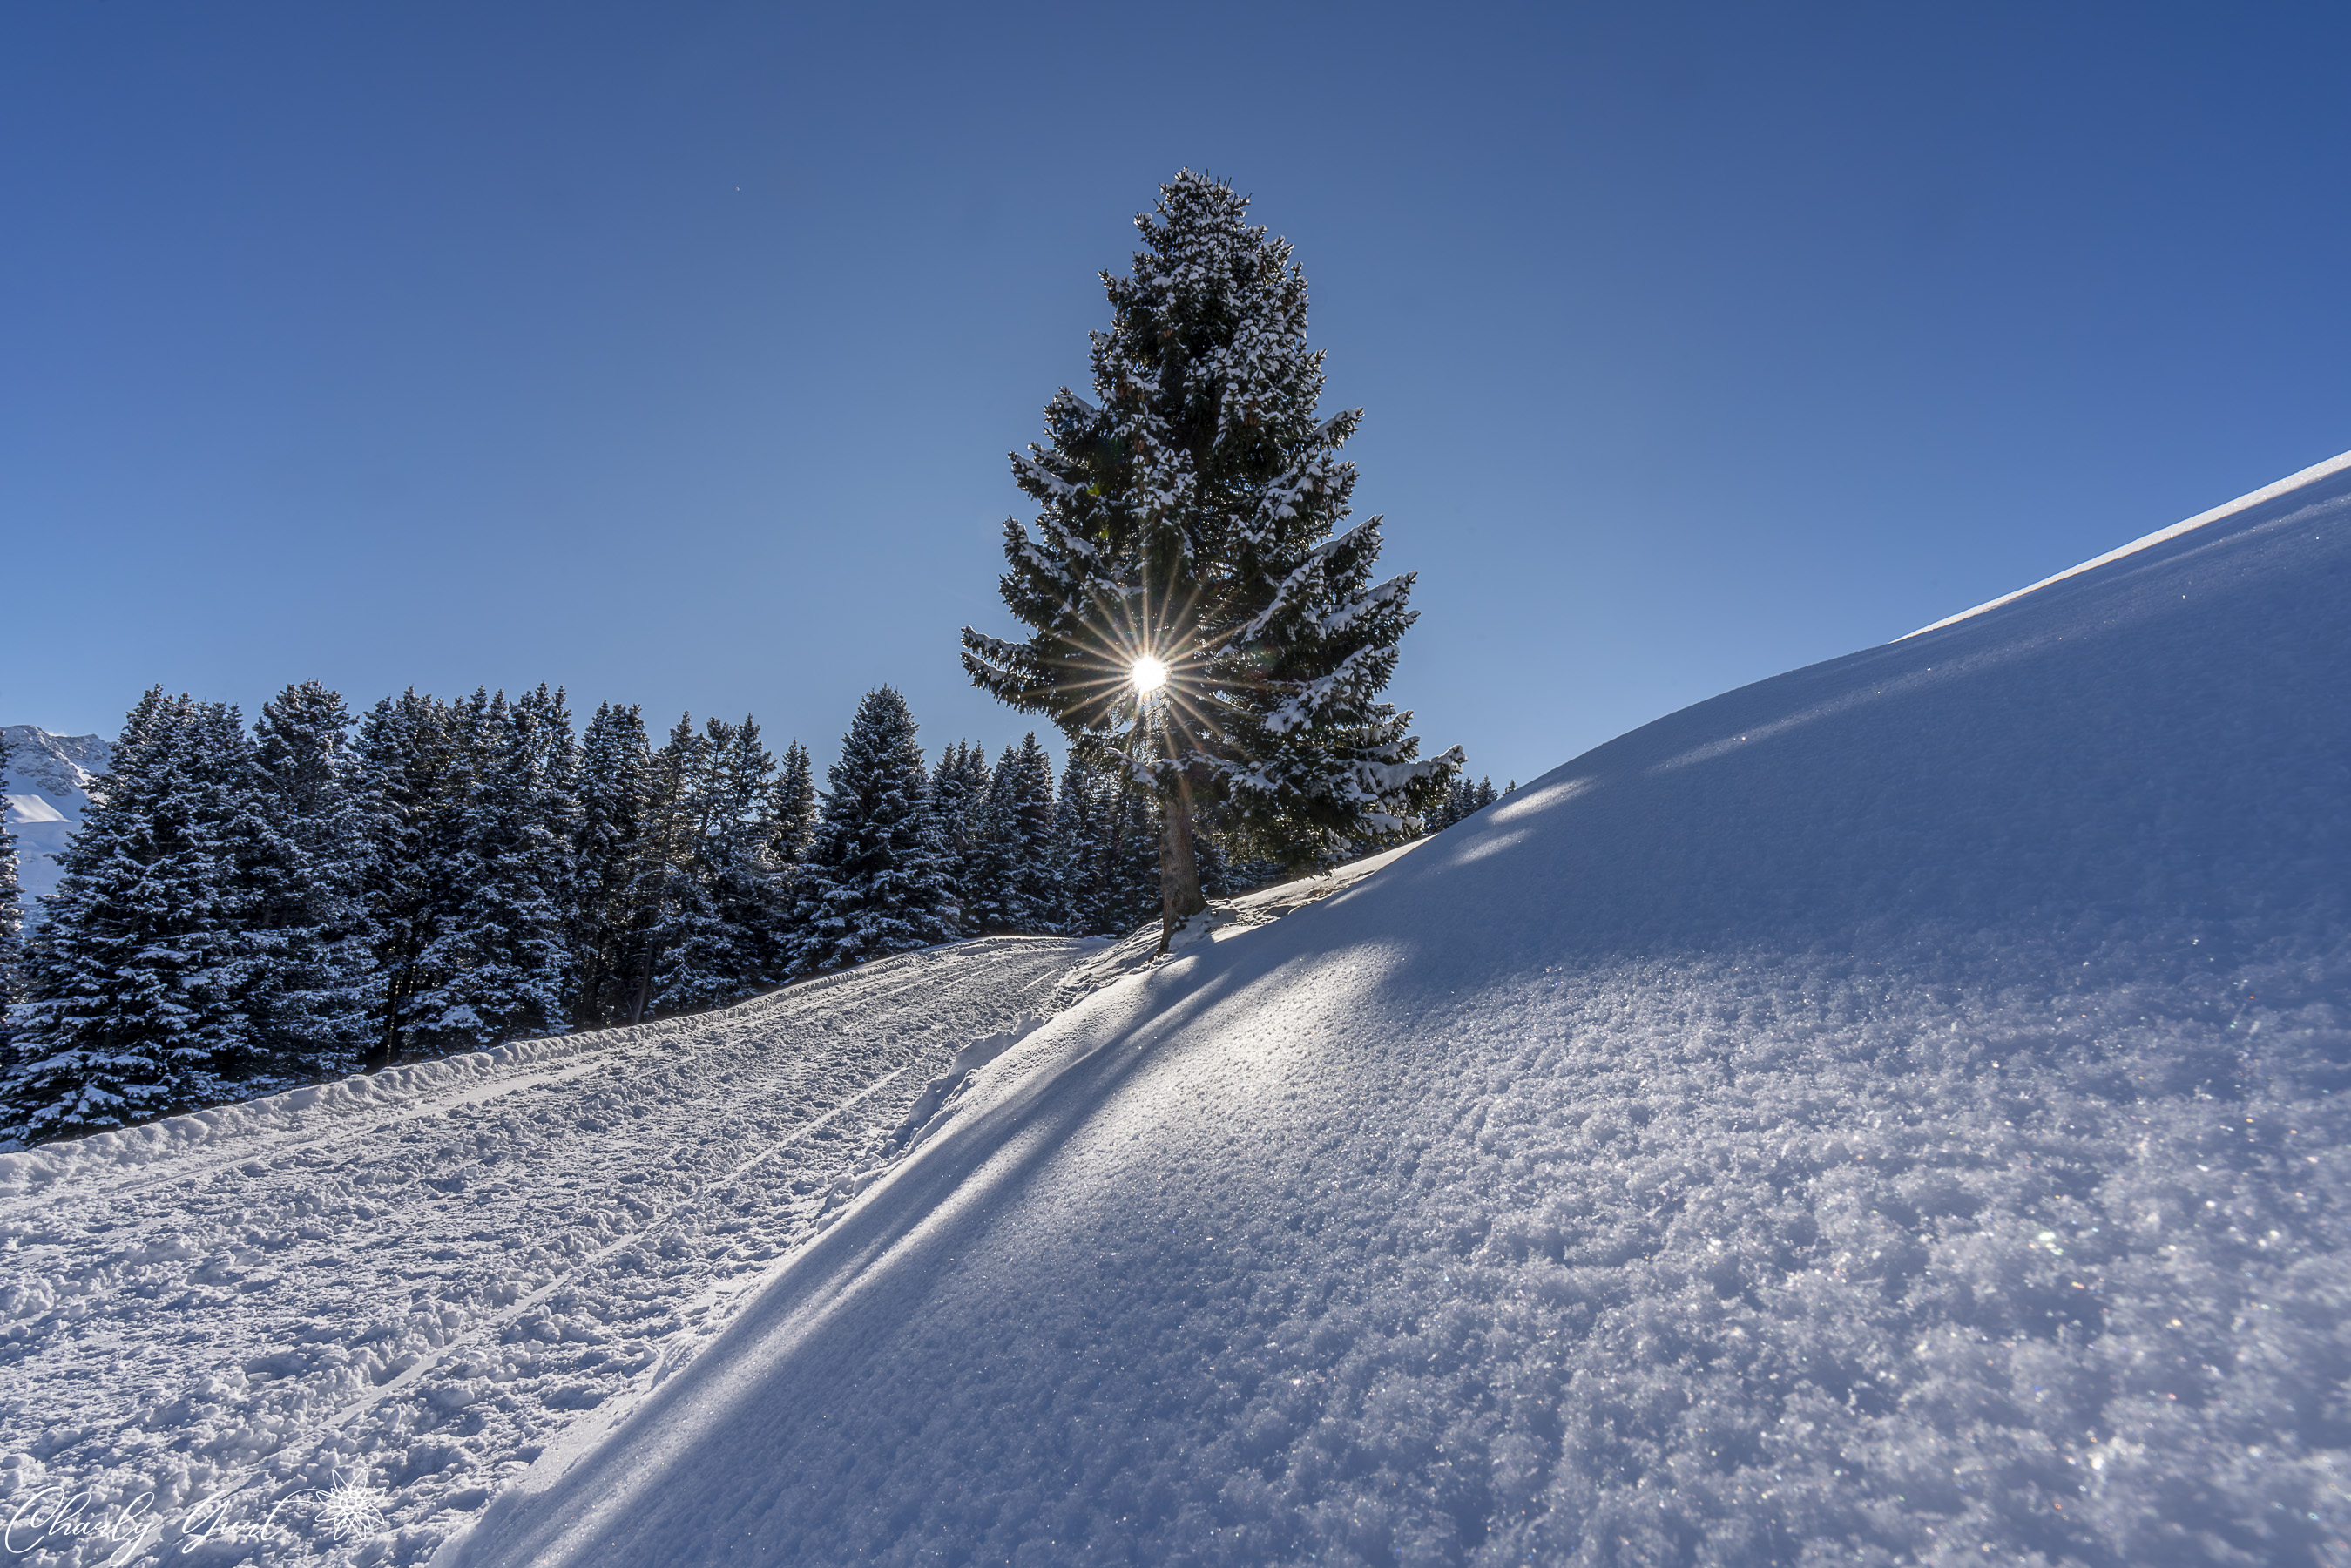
(244,907)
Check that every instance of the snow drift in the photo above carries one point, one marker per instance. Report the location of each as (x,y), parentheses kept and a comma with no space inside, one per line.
(1890,1113)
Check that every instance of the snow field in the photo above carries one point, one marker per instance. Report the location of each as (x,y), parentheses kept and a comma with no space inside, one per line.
(1891,1114)
(424,1279)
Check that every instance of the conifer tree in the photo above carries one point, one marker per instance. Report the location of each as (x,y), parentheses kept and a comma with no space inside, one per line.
(959,805)
(498,963)
(794,809)
(720,939)
(615,763)
(876,880)
(1017,881)
(312,911)
(1077,835)
(1133,850)
(669,897)
(411,781)
(1106,855)
(1195,619)
(142,977)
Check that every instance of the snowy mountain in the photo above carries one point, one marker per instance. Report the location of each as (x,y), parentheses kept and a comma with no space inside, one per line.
(47,778)
(1889,1113)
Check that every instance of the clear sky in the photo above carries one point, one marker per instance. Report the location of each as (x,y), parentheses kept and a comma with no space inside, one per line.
(671,351)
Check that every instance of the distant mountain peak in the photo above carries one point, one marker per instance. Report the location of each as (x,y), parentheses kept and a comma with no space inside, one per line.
(47,778)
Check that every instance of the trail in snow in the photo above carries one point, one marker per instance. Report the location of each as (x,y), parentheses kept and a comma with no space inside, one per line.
(421,1283)
(1893,1112)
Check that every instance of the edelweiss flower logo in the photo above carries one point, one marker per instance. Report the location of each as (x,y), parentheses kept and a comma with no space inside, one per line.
(352,1509)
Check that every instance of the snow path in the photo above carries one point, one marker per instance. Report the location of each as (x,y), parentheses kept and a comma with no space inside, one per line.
(425,1292)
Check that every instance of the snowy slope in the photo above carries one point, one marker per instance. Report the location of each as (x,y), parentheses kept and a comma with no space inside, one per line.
(1891,1113)
(416,1284)
(47,779)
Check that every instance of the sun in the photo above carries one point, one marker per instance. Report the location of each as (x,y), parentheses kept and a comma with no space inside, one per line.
(1148,675)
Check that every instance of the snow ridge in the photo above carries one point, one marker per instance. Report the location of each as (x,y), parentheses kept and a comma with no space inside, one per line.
(2306,478)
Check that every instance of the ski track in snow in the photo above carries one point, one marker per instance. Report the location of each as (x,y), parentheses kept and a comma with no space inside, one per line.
(422,1296)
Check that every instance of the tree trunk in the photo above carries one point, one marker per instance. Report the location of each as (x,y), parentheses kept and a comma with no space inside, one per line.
(1180,869)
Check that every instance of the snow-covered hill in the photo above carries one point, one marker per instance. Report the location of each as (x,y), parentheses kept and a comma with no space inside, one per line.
(47,778)
(1891,1113)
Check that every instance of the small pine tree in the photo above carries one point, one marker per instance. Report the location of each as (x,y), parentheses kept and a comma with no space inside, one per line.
(876,881)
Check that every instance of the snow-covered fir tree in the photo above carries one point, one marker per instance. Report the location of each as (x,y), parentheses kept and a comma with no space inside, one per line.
(1194,616)
(794,809)
(313,913)
(719,939)
(411,781)
(498,968)
(1462,800)
(143,979)
(959,805)
(1077,830)
(607,927)
(1017,881)
(670,897)
(876,880)
(1105,852)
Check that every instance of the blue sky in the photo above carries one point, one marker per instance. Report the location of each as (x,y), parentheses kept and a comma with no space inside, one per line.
(671,353)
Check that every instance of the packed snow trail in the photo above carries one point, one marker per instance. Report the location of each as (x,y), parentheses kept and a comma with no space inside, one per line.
(417,1283)
(1893,1112)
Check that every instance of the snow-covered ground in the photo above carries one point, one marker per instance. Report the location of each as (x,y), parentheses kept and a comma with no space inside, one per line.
(1892,1113)
(409,1286)
(46,779)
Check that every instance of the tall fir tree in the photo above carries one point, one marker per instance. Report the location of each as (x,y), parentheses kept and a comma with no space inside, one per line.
(720,940)
(794,809)
(669,897)
(1076,829)
(411,774)
(1017,885)
(314,914)
(959,805)
(1195,619)
(876,881)
(143,979)
(615,765)
(498,965)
